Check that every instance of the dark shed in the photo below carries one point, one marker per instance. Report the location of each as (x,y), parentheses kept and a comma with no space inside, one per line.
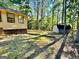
(61,28)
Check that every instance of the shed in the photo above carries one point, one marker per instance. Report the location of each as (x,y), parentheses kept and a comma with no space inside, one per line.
(60,28)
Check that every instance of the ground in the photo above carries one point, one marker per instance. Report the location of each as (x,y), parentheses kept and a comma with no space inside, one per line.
(35,45)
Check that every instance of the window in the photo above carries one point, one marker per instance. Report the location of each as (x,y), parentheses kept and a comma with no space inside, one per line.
(10,18)
(21,19)
(0,17)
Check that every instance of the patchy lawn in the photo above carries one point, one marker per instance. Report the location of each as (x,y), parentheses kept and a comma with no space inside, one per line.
(38,32)
(17,46)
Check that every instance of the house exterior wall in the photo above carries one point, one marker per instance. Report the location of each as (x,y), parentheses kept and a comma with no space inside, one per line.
(5,25)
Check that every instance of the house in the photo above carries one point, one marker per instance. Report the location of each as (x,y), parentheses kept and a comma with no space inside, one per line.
(12,21)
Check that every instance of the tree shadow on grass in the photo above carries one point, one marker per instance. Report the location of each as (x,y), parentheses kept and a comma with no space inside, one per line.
(7,42)
(59,53)
(3,57)
(37,52)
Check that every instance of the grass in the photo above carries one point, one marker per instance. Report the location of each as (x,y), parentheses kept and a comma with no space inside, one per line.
(3,51)
(38,32)
(42,41)
(21,43)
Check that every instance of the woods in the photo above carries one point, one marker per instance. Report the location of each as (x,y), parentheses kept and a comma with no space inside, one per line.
(52,29)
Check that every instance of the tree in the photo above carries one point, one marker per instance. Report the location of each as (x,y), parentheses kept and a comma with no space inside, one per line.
(23,5)
(38,3)
(3,3)
(77,37)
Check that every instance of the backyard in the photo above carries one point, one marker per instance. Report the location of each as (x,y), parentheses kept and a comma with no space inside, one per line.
(39,29)
(43,45)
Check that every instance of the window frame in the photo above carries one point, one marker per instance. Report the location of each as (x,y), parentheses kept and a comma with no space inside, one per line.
(12,18)
(21,21)
(0,17)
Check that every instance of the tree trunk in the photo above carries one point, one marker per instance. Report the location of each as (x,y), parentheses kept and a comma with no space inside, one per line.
(38,14)
(41,12)
(57,15)
(52,18)
(64,17)
(77,38)
(48,20)
(62,11)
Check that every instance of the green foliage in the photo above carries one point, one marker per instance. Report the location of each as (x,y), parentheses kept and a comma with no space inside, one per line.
(16,1)
(43,9)
(45,25)
(3,51)
(21,5)
(11,55)
(3,4)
